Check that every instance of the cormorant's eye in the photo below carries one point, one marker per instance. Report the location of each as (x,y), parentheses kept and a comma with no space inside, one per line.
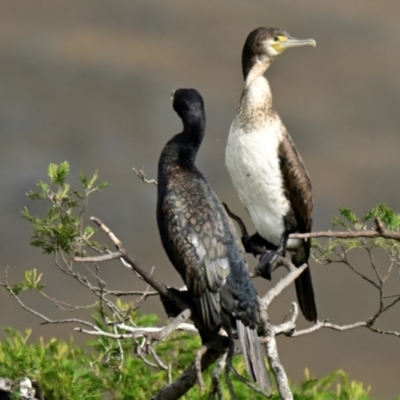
(276,39)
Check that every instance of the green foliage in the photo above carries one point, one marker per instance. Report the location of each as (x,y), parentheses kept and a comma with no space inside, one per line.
(389,218)
(68,372)
(31,281)
(61,229)
(60,367)
(331,387)
(350,221)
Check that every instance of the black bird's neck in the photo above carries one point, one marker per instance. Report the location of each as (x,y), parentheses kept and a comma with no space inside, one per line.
(182,149)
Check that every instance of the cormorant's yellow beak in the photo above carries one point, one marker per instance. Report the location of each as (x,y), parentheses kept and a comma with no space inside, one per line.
(281,43)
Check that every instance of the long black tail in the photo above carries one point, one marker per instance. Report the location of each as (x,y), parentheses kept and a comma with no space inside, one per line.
(253,356)
(304,287)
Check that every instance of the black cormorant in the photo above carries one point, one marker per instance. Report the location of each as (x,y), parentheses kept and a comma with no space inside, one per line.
(201,241)
(265,167)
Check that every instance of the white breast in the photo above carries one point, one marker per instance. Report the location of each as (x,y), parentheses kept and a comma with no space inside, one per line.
(252,160)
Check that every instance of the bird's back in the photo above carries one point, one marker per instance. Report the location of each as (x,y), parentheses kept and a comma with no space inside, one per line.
(203,245)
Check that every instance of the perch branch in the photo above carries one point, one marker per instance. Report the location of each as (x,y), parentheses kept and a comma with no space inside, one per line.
(276,366)
(379,231)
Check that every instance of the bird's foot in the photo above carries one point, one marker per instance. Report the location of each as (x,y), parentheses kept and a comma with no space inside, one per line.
(264,267)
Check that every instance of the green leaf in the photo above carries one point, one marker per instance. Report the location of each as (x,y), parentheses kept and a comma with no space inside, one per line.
(349,215)
(389,218)
(58,173)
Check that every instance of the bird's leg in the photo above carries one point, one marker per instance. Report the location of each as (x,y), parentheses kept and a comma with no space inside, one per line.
(264,267)
(216,385)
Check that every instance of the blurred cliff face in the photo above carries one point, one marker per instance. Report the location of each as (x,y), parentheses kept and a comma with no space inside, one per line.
(89,82)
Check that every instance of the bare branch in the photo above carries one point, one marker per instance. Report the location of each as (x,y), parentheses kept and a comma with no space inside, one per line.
(289,326)
(326,324)
(376,330)
(372,234)
(141,175)
(101,258)
(41,316)
(276,366)
(161,334)
(282,284)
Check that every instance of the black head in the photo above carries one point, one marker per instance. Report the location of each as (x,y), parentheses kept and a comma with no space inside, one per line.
(183,147)
(267,43)
(189,105)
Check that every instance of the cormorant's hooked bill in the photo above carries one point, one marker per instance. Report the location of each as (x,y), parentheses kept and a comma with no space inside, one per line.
(202,243)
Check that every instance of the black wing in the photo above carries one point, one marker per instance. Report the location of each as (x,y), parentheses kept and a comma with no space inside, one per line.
(298,189)
(196,244)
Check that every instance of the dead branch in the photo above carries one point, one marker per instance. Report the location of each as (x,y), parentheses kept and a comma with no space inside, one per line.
(276,366)
(281,285)
(161,334)
(141,175)
(379,231)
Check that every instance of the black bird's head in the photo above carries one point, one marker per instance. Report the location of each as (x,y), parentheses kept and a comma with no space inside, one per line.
(264,44)
(183,147)
(189,105)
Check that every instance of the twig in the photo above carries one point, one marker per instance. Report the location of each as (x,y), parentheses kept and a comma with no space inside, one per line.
(380,231)
(142,176)
(41,316)
(326,324)
(281,285)
(163,333)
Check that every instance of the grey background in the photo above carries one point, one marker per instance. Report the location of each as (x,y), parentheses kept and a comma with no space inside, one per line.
(89,82)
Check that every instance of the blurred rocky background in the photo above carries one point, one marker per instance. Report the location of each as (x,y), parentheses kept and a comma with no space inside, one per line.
(90,82)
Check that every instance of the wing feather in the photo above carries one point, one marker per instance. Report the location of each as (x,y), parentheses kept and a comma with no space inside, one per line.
(197,247)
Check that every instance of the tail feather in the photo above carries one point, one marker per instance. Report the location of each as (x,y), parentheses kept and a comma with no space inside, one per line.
(253,356)
(304,286)
(305,296)
(209,306)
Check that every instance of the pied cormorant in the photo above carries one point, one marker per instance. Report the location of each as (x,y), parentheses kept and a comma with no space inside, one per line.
(265,167)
